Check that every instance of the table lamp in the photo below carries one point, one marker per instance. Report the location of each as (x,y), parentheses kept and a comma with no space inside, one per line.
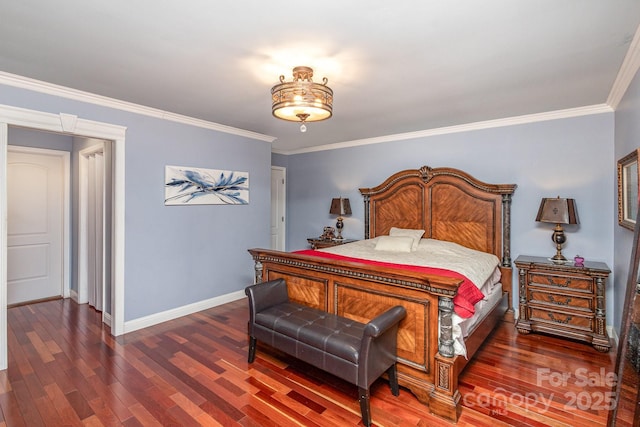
(340,206)
(558,211)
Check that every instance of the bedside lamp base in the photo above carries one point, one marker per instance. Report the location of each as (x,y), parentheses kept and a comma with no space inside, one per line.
(559,239)
(339,227)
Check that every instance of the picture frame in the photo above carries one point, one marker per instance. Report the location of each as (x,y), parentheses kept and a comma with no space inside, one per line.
(628,177)
(199,186)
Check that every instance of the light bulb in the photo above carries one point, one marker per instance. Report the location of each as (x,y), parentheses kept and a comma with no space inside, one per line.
(303,128)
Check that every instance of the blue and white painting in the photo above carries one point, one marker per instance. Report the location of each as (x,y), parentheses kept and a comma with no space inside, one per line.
(197,186)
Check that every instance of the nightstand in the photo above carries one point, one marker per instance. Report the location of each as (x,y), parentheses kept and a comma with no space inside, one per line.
(563,299)
(317,243)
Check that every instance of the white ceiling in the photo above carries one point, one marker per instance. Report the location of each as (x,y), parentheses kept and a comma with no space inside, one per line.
(395,67)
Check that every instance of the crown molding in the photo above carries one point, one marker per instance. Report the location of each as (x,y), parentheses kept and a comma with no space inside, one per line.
(627,72)
(488,124)
(103,101)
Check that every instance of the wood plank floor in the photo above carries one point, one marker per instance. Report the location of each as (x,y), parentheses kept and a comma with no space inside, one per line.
(65,369)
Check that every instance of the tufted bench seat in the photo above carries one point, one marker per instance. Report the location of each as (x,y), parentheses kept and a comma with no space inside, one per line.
(356,352)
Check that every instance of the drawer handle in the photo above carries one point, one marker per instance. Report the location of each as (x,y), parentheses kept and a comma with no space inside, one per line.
(566,284)
(565,321)
(554,301)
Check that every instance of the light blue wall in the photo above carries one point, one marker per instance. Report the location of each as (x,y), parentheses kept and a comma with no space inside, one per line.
(567,157)
(279,160)
(195,252)
(177,255)
(39,139)
(627,139)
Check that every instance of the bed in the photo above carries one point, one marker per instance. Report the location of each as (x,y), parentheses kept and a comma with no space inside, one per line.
(450,206)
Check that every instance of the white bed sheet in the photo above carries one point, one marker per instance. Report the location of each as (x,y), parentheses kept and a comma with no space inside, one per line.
(430,253)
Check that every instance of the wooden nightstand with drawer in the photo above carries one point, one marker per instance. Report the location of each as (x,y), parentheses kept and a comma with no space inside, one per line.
(563,299)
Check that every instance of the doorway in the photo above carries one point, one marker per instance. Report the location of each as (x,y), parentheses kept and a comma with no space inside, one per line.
(94,225)
(70,125)
(278,207)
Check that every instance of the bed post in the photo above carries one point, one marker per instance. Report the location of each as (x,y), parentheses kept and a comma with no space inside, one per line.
(366,216)
(506,230)
(507,270)
(445,311)
(257,272)
(444,400)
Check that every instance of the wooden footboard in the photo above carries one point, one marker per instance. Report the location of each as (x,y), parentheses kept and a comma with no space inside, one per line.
(427,365)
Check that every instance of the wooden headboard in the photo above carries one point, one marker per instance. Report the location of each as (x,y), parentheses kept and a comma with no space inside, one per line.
(448,204)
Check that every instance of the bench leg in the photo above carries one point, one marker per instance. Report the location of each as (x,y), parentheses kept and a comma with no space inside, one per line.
(252,349)
(365,409)
(392,372)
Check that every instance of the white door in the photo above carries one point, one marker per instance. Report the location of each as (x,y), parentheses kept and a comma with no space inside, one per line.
(278,204)
(35,190)
(92,263)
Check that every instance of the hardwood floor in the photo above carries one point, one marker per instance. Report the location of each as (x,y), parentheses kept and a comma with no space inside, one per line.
(65,369)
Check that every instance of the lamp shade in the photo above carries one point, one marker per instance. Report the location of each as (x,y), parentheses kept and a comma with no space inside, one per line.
(558,211)
(301,99)
(340,206)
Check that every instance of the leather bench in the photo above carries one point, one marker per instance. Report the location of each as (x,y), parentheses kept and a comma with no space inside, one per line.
(356,352)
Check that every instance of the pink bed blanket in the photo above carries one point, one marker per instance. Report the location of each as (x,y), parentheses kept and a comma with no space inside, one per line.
(463,303)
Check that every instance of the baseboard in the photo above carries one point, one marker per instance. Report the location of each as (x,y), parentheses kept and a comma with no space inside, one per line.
(174,313)
(34,301)
(613,335)
(106,319)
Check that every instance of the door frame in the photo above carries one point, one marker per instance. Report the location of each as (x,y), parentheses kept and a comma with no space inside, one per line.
(283,203)
(66,207)
(67,124)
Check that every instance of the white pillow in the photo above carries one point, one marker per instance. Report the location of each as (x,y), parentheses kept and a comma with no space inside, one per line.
(394,243)
(416,235)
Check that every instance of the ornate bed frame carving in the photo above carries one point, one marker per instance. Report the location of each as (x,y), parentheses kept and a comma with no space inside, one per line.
(449,205)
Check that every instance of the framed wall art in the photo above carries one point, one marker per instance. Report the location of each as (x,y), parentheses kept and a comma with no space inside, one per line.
(628,190)
(197,186)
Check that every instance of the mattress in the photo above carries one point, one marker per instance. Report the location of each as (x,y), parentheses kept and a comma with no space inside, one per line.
(462,328)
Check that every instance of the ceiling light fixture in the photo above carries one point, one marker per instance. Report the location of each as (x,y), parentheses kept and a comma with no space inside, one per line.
(302,100)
